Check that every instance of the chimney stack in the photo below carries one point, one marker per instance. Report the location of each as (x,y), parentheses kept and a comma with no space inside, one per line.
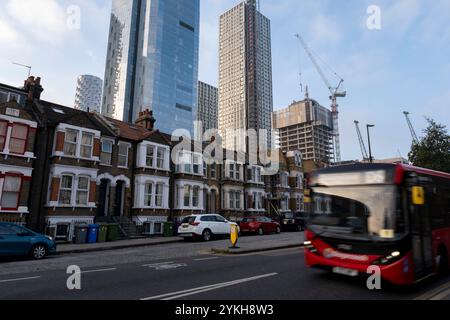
(33,86)
(146,120)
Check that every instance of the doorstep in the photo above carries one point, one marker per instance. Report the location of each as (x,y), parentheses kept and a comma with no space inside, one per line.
(121,244)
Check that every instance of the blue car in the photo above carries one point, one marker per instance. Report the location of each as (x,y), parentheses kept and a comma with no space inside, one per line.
(16,240)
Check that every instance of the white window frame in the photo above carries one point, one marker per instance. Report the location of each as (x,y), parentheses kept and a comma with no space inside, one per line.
(90,146)
(158,158)
(147,195)
(128,147)
(78,190)
(71,143)
(141,195)
(150,155)
(103,152)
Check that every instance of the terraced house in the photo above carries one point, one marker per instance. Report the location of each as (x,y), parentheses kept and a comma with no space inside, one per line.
(18,128)
(86,168)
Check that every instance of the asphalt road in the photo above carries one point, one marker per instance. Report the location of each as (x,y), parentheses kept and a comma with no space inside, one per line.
(187,272)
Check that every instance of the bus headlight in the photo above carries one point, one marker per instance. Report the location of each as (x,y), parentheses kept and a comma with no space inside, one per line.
(308,245)
(391,258)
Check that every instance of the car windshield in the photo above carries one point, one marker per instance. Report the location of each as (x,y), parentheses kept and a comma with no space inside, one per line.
(362,211)
(289,215)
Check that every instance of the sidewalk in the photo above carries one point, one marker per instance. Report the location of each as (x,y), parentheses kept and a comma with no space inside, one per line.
(264,243)
(104,246)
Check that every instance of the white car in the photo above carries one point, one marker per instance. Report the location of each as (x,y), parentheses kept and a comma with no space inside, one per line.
(205,226)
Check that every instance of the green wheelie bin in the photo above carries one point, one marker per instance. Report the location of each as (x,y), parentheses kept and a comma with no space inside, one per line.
(102,232)
(113,232)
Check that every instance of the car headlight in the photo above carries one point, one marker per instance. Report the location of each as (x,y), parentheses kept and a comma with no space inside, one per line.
(49,238)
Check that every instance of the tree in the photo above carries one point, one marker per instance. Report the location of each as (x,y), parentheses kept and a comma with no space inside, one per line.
(433,150)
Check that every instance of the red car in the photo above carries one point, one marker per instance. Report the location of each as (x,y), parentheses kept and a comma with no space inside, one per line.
(259,225)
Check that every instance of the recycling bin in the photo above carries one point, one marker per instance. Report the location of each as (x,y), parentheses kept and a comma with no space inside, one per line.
(92,233)
(80,234)
(102,232)
(168,229)
(113,232)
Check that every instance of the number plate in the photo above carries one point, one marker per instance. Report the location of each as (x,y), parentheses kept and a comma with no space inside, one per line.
(346,272)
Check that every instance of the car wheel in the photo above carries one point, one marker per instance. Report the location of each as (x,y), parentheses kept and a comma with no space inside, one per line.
(39,252)
(207,235)
(261,231)
(278,230)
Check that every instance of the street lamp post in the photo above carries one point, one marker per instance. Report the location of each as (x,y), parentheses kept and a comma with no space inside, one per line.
(368,138)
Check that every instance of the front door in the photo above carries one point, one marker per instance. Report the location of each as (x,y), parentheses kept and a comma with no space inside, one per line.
(119,201)
(104,198)
(421,237)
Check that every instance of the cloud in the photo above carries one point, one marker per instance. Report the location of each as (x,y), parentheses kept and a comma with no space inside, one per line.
(325,30)
(8,36)
(400,16)
(44,19)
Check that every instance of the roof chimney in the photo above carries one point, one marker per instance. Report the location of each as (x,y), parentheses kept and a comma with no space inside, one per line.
(146,120)
(33,86)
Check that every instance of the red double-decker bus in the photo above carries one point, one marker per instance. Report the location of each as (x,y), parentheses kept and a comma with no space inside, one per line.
(396,217)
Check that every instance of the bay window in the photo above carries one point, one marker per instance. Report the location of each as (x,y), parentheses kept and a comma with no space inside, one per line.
(232,195)
(187,196)
(70,142)
(148,195)
(160,158)
(87,140)
(159,195)
(195,196)
(150,156)
(65,190)
(196,164)
(11,192)
(238,200)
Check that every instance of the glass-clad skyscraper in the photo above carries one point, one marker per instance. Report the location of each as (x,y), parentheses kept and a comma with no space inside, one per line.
(152,62)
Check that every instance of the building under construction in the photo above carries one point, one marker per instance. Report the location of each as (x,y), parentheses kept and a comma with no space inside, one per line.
(306,126)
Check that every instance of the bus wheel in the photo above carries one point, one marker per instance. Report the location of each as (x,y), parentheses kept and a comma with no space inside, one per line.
(443,261)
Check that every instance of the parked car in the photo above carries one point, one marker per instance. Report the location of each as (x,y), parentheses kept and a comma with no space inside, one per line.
(260,225)
(292,222)
(16,240)
(204,227)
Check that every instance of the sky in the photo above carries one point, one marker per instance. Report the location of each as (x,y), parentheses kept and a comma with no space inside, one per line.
(403,65)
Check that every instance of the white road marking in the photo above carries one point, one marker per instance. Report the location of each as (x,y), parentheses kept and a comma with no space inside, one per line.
(157,264)
(19,279)
(194,291)
(206,259)
(100,270)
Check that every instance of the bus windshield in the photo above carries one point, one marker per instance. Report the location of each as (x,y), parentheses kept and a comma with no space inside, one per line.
(368,212)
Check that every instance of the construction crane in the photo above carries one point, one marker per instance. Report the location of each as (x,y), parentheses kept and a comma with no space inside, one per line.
(361,142)
(335,93)
(411,128)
